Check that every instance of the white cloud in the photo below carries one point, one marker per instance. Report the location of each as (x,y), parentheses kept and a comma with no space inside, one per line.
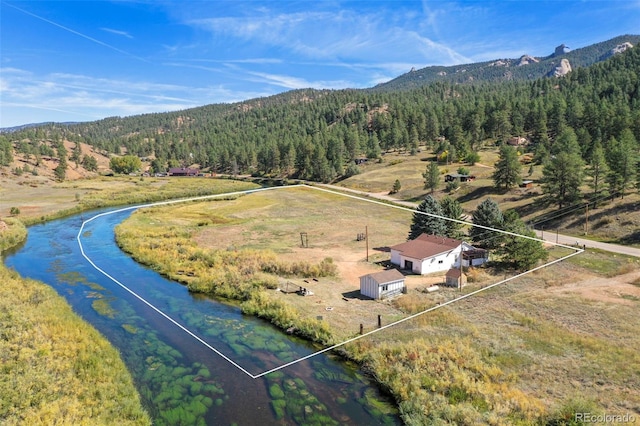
(343,34)
(82,97)
(290,82)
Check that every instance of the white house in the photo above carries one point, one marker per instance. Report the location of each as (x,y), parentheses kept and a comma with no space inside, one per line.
(431,253)
(383,284)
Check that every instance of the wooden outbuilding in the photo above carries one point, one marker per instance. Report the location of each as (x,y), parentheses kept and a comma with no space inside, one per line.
(455,278)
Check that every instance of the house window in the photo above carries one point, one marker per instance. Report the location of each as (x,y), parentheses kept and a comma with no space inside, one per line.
(439,261)
(385,287)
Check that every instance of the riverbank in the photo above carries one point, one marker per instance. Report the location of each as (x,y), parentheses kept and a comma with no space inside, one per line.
(56,368)
(510,355)
(74,374)
(37,201)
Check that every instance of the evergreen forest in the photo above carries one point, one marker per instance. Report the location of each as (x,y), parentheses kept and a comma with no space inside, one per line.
(587,121)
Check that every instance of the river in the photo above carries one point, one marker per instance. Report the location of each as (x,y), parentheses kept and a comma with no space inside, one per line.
(194,360)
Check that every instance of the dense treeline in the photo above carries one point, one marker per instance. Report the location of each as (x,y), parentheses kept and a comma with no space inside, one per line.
(317,135)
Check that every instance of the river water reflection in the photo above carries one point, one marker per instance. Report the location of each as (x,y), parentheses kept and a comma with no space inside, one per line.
(180,379)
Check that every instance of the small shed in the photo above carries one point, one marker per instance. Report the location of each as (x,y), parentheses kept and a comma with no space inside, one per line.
(383,284)
(455,278)
(526,184)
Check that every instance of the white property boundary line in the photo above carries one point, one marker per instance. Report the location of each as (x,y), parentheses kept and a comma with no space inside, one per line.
(255,376)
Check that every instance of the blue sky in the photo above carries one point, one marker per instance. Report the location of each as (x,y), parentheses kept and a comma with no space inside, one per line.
(86,60)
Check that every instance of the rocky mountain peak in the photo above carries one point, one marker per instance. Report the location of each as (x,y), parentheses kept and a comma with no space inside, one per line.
(526,60)
(561,50)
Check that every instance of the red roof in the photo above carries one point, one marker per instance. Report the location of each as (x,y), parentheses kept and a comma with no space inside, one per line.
(454,273)
(426,246)
(183,171)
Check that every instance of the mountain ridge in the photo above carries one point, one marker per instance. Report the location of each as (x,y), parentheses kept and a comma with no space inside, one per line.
(477,72)
(493,70)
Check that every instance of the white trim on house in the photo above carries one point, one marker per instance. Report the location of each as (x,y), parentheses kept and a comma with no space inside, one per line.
(428,254)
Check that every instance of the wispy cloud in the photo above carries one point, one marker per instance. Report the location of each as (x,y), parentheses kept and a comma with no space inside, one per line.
(290,82)
(79,34)
(117,32)
(342,34)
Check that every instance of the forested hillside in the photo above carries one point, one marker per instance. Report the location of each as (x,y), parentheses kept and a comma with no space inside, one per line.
(505,69)
(317,135)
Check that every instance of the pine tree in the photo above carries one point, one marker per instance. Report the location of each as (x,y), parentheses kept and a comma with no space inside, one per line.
(622,156)
(521,253)
(396,187)
(563,173)
(507,169)
(429,223)
(453,210)
(488,215)
(431,176)
(598,170)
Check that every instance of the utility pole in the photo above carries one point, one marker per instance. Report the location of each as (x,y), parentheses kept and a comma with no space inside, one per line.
(586,221)
(366,239)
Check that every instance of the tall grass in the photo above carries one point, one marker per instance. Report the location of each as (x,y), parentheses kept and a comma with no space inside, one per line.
(56,369)
(111,192)
(13,234)
(241,275)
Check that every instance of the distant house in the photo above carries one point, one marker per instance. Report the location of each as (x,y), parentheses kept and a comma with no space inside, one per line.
(183,171)
(431,253)
(526,184)
(383,284)
(516,141)
(457,176)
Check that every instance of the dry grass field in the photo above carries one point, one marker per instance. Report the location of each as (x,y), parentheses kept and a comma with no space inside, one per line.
(38,197)
(546,344)
(614,221)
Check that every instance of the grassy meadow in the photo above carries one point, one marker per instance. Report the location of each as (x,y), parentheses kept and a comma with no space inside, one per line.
(535,351)
(614,221)
(39,202)
(56,368)
(242,247)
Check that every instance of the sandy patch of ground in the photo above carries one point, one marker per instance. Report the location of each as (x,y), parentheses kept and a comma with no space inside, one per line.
(618,290)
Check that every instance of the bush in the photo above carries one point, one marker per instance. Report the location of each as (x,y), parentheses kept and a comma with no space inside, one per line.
(14,211)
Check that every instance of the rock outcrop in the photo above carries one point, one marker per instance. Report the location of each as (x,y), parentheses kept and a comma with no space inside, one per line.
(526,60)
(618,49)
(561,50)
(500,63)
(561,70)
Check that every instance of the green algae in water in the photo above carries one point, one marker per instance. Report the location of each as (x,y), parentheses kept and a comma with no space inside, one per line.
(275,376)
(276,391)
(376,407)
(278,406)
(130,328)
(103,307)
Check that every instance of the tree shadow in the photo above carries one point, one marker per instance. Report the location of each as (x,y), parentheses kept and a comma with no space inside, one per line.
(475,194)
